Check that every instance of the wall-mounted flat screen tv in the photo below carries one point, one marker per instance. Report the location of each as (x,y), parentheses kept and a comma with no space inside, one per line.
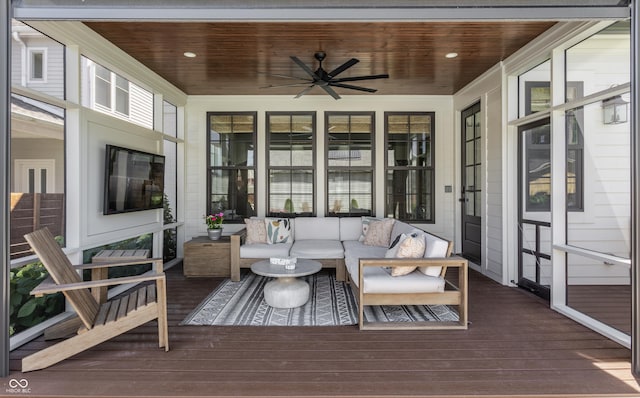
(134,180)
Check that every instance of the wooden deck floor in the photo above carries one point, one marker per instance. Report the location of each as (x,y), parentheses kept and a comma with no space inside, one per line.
(515,346)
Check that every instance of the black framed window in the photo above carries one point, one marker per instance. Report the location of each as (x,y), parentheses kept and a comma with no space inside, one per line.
(410,166)
(231,143)
(350,163)
(291,163)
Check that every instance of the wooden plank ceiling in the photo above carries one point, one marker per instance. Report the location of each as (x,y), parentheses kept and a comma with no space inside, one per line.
(242,57)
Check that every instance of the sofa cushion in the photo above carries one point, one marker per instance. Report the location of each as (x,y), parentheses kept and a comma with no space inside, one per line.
(378,280)
(411,247)
(317,248)
(379,232)
(354,250)
(435,247)
(278,230)
(256,231)
(350,228)
(265,250)
(317,228)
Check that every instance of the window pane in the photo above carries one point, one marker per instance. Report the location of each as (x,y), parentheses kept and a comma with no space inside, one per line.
(604,223)
(37,65)
(534,89)
(601,61)
(233,193)
(350,192)
(170,119)
(601,290)
(290,191)
(537,168)
(38,171)
(44,60)
(409,194)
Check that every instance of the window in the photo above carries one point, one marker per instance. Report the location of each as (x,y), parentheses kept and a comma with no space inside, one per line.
(231,164)
(409,142)
(290,163)
(37,65)
(350,163)
(108,92)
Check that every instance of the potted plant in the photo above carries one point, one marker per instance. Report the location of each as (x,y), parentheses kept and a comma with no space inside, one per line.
(214,225)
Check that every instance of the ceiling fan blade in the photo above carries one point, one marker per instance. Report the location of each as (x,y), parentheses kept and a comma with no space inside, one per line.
(283,76)
(349,86)
(330,91)
(305,67)
(356,78)
(305,83)
(343,67)
(303,92)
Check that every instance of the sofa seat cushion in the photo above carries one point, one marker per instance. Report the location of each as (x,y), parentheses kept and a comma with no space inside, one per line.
(354,250)
(265,250)
(317,248)
(379,280)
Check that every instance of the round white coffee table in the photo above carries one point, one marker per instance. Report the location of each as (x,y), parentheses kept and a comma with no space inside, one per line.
(286,291)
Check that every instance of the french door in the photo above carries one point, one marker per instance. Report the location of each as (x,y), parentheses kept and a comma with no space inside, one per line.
(471,184)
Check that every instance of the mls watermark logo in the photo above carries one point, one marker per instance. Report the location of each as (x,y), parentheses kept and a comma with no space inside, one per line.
(18,386)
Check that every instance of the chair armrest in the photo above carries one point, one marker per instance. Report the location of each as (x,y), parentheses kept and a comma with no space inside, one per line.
(453,261)
(158,264)
(48,286)
(237,240)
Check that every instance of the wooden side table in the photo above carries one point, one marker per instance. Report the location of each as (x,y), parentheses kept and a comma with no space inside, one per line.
(112,256)
(206,257)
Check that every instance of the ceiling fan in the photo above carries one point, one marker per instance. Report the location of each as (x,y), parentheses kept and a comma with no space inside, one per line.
(327,80)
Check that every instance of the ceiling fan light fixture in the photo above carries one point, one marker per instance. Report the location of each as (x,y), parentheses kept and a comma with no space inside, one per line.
(451,55)
(189,54)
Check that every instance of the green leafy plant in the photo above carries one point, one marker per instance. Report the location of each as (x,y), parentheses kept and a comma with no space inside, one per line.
(26,310)
(288,206)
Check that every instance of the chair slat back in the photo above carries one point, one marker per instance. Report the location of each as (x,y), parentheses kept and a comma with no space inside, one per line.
(62,272)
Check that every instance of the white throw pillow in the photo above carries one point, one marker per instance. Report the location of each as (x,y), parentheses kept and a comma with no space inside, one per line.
(393,248)
(412,247)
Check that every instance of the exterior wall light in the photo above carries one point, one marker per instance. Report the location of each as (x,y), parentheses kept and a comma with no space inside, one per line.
(614,110)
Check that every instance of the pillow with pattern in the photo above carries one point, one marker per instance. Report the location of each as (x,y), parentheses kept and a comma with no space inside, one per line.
(379,232)
(278,230)
(366,220)
(256,231)
(412,247)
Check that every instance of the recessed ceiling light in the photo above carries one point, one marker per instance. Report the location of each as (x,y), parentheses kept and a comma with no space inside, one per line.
(189,54)
(451,55)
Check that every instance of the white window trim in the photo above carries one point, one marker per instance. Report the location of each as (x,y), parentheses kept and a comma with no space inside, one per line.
(30,52)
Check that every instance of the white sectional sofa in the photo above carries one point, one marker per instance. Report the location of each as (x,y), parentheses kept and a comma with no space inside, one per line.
(338,243)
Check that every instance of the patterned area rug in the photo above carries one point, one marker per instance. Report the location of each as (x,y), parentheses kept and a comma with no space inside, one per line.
(331,303)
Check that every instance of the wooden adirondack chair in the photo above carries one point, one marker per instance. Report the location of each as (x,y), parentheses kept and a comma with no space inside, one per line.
(97,322)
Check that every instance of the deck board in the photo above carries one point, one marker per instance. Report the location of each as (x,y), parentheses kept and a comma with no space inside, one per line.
(515,346)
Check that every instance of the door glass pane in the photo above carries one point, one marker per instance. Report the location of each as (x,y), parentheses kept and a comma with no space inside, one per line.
(469,128)
(470,153)
(537,168)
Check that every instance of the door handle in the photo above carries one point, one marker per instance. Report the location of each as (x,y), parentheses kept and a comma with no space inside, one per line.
(463,200)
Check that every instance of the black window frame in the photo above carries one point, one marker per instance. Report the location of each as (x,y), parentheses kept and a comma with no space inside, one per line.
(352,212)
(312,168)
(211,168)
(431,219)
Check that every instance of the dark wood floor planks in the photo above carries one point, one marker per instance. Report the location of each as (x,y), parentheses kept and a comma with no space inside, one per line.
(515,346)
